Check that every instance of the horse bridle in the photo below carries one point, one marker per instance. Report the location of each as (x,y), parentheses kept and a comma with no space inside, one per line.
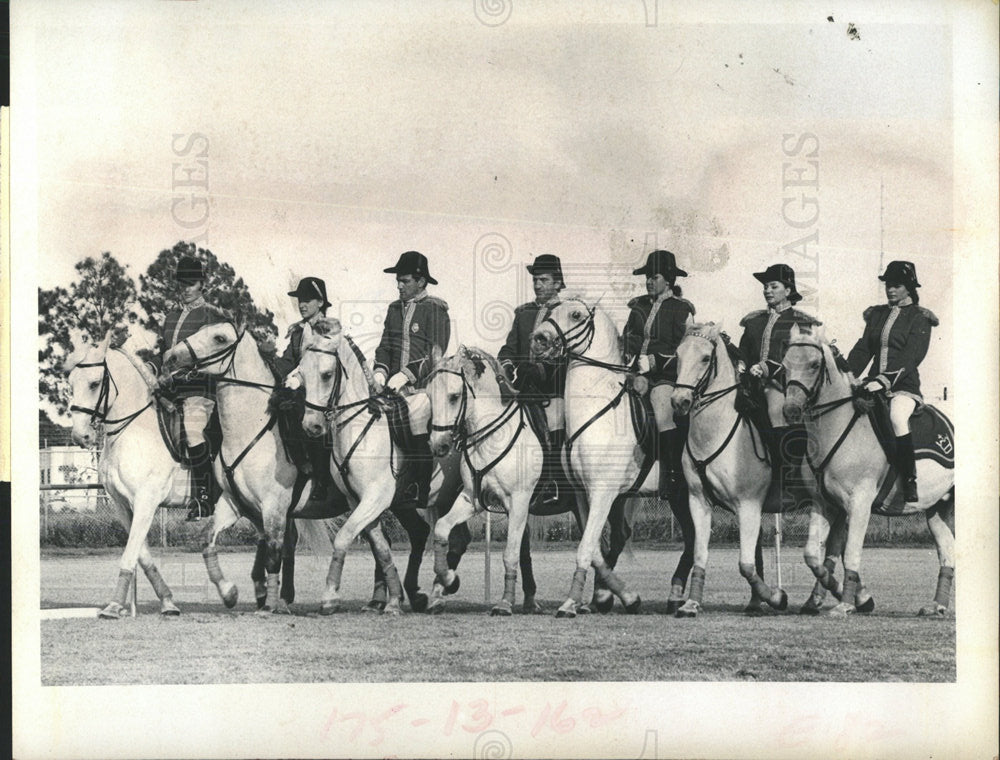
(455,428)
(585,331)
(99,415)
(811,393)
(329,407)
(218,356)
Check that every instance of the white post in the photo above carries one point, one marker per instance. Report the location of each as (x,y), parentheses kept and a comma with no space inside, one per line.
(163,528)
(134,595)
(777,545)
(486,573)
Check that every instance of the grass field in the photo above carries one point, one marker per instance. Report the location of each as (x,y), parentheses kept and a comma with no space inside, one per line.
(209,644)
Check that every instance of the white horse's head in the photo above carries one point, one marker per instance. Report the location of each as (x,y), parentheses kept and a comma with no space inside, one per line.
(805,367)
(574,327)
(89,385)
(453,388)
(695,364)
(210,350)
(319,370)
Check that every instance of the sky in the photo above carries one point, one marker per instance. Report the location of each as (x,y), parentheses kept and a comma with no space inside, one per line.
(331,146)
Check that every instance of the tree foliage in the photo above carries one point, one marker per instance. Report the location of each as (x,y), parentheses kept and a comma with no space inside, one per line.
(158,289)
(102,297)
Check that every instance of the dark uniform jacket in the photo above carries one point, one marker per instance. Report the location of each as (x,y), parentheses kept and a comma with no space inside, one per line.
(515,355)
(765,335)
(656,327)
(895,341)
(183,323)
(410,332)
(290,357)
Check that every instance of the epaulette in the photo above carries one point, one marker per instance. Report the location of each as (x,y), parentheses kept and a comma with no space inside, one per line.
(869,311)
(522,307)
(437,302)
(635,301)
(685,301)
(929,315)
(752,315)
(291,329)
(806,319)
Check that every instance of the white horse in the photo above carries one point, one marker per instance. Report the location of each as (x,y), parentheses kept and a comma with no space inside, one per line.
(849,466)
(339,394)
(726,464)
(502,459)
(256,475)
(137,469)
(602,452)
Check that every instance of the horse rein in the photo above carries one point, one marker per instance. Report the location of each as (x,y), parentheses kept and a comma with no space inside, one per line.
(584,330)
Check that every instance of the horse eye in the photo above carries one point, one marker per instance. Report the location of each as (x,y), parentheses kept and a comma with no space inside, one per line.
(453,397)
(93,385)
(704,359)
(814,365)
(326,376)
(576,314)
(220,338)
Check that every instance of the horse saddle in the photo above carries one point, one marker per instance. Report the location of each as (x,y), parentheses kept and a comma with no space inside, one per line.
(171,423)
(933,438)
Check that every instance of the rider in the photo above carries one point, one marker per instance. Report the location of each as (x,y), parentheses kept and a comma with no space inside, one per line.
(311,296)
(539,383)
(655,327)
(895,341)
(414,325)
(762,347)
(195,391)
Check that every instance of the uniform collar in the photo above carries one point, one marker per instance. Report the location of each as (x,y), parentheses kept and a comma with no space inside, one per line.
(552,301)
(199,301)
(908,301)
(418,297)
(312,320)
(786,307)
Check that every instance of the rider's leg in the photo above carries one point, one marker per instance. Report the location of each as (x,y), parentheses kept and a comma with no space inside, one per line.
(319,458)
(553,477)
(196,412)
(787,442)
(670,440)
(900,409)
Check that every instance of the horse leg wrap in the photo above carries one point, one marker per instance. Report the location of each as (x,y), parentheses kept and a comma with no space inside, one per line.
(943,594)
(852,581)
(509,585)
(757,584)
(678,584)
(441,564)
(272,586)
(697,590)
(211,557)
(392,582)
(576,588)
(612,581)
(336,569)
(157,582)
(121,589)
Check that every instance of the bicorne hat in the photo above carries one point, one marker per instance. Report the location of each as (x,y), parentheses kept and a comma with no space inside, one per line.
(661,262)
(309,289)
(901,272)
(189,271)
(546,263)
(781,273)
(415,263)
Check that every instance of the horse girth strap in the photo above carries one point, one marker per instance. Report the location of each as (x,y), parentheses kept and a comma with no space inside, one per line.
(478,475)
(604,410)
(228,469)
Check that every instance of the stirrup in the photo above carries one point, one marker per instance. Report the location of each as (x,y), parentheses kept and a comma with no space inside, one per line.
(200,509)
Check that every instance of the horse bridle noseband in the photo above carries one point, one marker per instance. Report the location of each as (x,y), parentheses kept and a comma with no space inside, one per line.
(99,415)
(218,356)
(584,331)
(811,393)
(456,427)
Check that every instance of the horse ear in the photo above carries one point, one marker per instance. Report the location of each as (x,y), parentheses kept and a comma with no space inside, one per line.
(105,341)
(436,354)
(795,333)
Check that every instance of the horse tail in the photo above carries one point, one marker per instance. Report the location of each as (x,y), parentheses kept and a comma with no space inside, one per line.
(314,535)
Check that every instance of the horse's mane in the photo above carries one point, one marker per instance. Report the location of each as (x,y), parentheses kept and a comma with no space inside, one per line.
(712,332)
(472,358)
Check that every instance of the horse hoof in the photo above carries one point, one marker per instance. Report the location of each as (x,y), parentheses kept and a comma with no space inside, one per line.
(419,601)
(329,608)
(168,608)
(842,610)
(449,590)
(375,605)
(435,608)
(567,610)
(584,609)
(282,608)
(531,607)
(263,612)
(231,595)
(502,609)
(689,609)
(867,606)
(934,610)
(755,607)
(113,611)
(261,602)
(673,605)
(603,601)
(392,610)
(809,608)
(781,603)
(632,608)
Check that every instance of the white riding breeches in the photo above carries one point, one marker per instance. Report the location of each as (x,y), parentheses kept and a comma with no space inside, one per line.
(775,406)
(663,410)
(900,409)
(197,411)
(420,412)
(555,413)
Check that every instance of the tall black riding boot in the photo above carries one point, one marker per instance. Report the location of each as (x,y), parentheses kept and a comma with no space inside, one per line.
(423,462)
(202,481)
(669,450)
(790,445)
(319,458)
(907,467)
(553,478)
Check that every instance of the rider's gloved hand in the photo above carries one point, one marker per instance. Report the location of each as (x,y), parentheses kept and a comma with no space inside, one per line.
(378,379)
(759,369)
(874,386)
(293,381)
(644,364)
(397,381)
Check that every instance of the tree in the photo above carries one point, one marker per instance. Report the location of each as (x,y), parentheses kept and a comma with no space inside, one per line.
(158,290)
(103,297)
